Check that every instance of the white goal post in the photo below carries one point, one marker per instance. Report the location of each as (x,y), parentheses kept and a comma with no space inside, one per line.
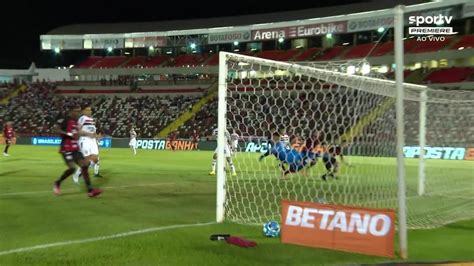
(258,97)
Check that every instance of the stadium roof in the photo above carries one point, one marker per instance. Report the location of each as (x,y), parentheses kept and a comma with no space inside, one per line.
(132,27)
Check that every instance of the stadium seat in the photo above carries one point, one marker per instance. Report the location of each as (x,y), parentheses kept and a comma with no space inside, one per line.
(135,62)
(155,61)
(382,49)
(191,60)
(430,46)
(359,51)
(110,62)
(450,75)
(307,54)
(465,41)
(213,60)
(279,55)
(90,61)
(331,53)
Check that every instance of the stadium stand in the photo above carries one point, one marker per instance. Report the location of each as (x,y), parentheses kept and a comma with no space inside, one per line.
(450,75)
(430,46)
(89,62)
(35,111)
(110,62)
(308,54)
(382,49)
(330,53)
(465,41)
(359,51)
(411,45)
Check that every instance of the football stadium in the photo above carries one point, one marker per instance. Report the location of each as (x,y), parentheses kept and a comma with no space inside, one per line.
(334,135)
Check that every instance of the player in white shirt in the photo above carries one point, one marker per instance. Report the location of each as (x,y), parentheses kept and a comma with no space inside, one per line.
(234,137)
(133,141)
(227,154)
(89,146)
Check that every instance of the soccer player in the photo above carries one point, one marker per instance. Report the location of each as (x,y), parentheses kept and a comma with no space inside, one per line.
(70,151)
(227,154)
(133,141)
(330,161)
(195,138)
(310,149)
(88,145)
(8,135)
(234,137)
(172,139)
(287,155)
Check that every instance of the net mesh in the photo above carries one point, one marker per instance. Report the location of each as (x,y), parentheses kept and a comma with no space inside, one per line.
(306,102)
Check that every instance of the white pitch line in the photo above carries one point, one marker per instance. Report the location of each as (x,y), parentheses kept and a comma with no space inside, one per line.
(100,238)
(71,190)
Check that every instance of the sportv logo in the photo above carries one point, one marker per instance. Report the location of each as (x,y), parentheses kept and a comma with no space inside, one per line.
(431,26)
(377,225)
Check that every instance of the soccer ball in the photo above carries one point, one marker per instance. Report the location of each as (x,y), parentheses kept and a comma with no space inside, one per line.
(271,229)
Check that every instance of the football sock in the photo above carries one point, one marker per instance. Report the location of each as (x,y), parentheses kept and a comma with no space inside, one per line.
(96,168)
(85,175)
(214,162)
(65,175)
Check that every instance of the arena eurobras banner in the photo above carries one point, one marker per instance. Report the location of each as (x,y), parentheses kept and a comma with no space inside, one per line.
(163,144)
(353,229)
(56,141)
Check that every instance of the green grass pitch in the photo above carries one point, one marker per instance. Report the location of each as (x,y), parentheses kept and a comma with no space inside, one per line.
(156,190)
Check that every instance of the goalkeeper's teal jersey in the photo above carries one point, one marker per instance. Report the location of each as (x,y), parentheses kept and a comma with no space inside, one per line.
(286,154)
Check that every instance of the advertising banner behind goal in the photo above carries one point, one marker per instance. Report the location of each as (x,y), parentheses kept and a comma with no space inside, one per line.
(360,230)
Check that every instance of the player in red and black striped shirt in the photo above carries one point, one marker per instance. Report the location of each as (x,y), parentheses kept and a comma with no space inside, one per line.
(172,138)
(330,161)
(8,134)
(70,133)
(195,138)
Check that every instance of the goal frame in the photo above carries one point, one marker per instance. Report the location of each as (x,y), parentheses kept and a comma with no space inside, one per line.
(399,123)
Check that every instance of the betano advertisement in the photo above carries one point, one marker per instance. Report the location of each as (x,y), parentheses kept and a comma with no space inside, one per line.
(354,229)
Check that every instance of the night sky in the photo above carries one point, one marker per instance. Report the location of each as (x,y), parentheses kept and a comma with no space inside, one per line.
(22,22)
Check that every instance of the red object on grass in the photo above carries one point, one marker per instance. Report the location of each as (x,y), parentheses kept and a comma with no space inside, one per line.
(241,242)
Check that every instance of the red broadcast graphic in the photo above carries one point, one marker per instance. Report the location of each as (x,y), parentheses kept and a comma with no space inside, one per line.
(353,229)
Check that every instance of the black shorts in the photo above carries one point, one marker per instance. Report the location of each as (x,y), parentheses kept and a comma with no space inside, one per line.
(329,162)
(8,141)
(72,156)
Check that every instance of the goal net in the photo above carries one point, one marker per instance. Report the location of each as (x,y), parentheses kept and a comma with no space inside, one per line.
(329,107)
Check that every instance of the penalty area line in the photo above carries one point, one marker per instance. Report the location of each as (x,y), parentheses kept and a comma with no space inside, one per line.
(100,238)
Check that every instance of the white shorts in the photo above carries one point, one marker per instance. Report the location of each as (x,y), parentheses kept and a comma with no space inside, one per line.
(88,146)
(133,143)
(227,151)
(235,144)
